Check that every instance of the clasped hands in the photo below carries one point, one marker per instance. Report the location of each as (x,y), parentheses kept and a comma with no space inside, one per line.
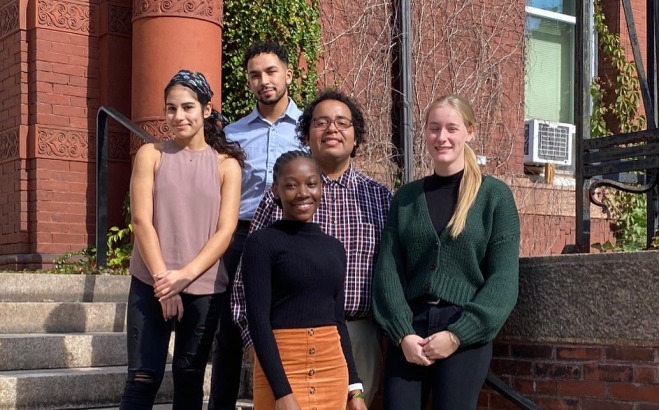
(425,351)
(167,288)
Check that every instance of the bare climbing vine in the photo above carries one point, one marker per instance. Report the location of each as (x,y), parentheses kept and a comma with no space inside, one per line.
(468,48)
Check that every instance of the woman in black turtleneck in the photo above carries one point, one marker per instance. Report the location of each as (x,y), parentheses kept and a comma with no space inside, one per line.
(447,272)
(293,275)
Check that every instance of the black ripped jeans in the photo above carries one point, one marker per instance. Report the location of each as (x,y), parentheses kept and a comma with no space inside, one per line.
(148,342)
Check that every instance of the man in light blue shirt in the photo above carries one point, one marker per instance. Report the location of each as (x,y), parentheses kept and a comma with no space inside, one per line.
(266,133)
(263,141)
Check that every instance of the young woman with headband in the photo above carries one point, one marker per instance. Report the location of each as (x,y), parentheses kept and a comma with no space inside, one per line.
(184,197)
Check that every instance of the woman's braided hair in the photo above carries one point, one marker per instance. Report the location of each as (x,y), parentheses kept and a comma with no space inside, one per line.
(283,160)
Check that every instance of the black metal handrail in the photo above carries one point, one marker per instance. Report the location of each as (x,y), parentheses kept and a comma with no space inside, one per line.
(509,393)
(616,161)
(102,173)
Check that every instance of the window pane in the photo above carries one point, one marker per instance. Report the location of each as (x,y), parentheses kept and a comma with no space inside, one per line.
(549,70)
(558,6)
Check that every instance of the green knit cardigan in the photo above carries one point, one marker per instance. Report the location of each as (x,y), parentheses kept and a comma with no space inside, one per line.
(478,270)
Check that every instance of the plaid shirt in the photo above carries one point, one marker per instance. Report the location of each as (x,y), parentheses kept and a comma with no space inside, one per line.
(353,209)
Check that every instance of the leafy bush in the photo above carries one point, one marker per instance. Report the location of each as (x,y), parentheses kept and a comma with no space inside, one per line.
(628,209)
(120,247)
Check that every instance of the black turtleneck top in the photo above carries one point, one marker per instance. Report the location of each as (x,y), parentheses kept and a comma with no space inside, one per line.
(293,275)
(442,196)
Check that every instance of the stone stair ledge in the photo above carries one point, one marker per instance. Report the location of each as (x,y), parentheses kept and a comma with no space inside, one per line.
(44,287)
(62,317)
(76,388)
(62,350)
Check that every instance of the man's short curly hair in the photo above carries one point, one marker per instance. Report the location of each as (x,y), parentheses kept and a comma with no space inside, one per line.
(358,123)
(265,47)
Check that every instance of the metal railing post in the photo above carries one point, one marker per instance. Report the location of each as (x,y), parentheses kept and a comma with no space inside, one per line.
(509,393)
(101,187)
(102,174)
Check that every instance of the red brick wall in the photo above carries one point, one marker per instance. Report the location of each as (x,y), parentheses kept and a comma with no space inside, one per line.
(579,377)
(547,217)
(13,132)
(79,58)
(467,49)
(550,234)
(115,48)
(14,236)
(63,220)
(617,23)
(64,90)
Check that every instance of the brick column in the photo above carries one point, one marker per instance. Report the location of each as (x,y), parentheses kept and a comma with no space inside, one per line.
(169,35)
(53,84)
(13,134)
(115,61)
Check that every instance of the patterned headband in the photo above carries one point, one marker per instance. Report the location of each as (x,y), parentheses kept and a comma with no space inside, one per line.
(193,79)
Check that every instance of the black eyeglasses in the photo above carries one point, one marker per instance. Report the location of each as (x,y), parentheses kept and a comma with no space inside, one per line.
(324,123)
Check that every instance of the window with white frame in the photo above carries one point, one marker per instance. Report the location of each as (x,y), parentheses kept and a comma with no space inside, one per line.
(550,30)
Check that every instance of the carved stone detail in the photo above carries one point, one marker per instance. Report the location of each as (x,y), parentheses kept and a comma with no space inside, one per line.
(9,145)
(135,143)
(68,144)
(8,19)
(79,18)
(209,10)
(119,20)
(119,146)
(157,128)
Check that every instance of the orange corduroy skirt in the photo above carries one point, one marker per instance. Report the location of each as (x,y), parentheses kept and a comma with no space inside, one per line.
(315,367)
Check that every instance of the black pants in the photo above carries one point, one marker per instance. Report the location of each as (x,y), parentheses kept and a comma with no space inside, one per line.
(228,346)
(455,382)
(148,344)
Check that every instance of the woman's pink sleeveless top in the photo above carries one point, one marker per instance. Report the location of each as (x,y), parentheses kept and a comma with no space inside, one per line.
(186,208)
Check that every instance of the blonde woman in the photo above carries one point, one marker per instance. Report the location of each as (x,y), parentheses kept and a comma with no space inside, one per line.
(446,276)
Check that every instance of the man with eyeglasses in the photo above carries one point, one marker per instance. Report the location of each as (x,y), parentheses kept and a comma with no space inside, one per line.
(264,134)
(353,209)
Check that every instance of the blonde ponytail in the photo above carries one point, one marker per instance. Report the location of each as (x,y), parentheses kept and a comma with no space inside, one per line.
(471,181)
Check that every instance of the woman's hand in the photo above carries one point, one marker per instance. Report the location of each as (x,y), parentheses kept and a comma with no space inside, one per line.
(287,402)
(412,346)
(357,403)
(170,283)
(440,345)
(172,307)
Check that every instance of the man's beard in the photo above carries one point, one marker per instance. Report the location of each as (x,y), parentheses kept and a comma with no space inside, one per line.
(272,101)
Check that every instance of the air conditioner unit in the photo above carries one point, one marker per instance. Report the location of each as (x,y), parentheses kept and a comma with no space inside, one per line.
(548,142)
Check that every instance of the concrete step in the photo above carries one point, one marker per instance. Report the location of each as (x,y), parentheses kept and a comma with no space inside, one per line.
(58,350)
(43,287)
(62,350)
(76,388)
(62,317)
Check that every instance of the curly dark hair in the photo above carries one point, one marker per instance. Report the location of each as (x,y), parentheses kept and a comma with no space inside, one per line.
(265,47)
(358,122)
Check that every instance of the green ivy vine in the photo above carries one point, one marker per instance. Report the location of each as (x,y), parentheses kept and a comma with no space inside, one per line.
(292,23)
(629,210)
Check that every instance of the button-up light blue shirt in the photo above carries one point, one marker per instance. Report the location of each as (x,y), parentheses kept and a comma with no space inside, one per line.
(263,142)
